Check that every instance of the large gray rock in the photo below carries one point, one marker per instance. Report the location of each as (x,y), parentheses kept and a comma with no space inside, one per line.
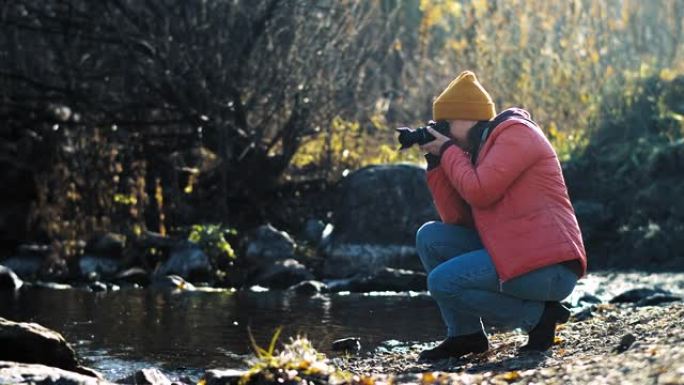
(34,374)
(346,260)
(26,267)
(383,205)
(9,280)
(133,275)
(187,261)
(638,294)
(313,231)
(379,211)
(386,279)
(51,285)
(349,344)
(223,377)
(97,287)
(106,245)
(32,261)
(36,344)
(147,376)
(283,274)
(91,265)
(171,282)
(309,287)
(269,245)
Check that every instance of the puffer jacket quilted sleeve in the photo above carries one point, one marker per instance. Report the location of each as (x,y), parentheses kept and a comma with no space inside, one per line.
(452,208)
(516,149)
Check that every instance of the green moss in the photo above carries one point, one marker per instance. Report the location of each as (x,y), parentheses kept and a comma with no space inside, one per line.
(212,239)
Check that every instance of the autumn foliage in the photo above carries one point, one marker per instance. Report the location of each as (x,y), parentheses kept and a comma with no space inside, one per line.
(158,115)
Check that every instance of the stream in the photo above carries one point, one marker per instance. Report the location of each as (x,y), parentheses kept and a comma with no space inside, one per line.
(184,333)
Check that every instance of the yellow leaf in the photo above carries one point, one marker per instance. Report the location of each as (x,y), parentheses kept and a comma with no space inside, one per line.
(397,45)
(453,7)
(427,378)
(609,71)
(557,340)
(511,376)
(667,74)
(480,7)
(367,380)
(594,57)
(553,129)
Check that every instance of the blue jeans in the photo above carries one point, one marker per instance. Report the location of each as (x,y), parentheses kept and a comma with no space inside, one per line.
(463,281)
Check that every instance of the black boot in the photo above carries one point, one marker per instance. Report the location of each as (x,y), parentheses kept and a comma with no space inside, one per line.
(454,347)
(542,336)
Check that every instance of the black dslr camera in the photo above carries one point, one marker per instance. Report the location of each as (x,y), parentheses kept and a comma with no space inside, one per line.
(408,137)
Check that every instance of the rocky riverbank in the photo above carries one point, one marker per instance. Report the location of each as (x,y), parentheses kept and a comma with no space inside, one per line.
(625,328)
(352,249)
(618,345)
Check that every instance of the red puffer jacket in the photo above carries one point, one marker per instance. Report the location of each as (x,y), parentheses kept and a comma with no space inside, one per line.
(514,195)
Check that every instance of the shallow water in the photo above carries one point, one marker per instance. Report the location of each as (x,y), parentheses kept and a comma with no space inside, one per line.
(185,333)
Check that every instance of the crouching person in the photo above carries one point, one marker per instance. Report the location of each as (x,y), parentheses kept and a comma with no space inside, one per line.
(508,248)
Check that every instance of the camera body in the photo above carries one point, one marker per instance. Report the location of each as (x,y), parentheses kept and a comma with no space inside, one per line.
(408,137)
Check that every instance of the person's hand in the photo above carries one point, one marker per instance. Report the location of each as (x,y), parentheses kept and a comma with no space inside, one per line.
(434,146)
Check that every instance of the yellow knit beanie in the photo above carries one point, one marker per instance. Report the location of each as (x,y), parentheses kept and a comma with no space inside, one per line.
(465,99)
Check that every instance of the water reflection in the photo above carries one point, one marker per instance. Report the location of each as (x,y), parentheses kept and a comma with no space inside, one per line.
(181,332)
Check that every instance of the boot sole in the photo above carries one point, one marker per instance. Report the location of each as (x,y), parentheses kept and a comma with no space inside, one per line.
(527,349)
(478,351)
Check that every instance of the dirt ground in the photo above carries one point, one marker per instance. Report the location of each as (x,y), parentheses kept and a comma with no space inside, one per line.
(616,344)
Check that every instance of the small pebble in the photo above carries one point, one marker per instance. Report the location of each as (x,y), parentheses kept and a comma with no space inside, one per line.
(351,344)
(626,341)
